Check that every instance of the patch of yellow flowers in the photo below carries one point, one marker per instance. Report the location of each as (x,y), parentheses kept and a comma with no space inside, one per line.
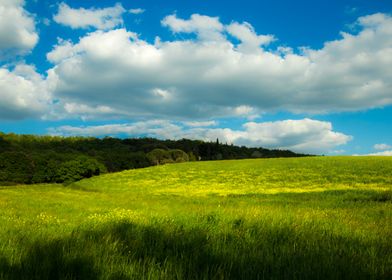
(115,215)
(44,218)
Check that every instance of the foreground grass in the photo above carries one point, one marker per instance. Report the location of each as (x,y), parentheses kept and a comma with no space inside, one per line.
(306,218)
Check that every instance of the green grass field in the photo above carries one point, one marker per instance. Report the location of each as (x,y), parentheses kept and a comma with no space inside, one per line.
(304,218)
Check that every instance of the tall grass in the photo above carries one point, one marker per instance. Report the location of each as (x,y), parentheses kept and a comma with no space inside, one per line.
(308,218)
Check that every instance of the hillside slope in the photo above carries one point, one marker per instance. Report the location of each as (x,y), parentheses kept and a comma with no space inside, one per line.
(299,218)
(32,159)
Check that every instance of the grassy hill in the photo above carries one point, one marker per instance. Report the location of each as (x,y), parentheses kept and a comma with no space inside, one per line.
(297,218)
(34,159)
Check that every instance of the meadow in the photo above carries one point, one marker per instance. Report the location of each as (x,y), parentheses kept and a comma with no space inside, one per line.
(293,218)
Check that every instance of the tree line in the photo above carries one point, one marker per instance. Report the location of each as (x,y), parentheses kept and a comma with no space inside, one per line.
(26,159)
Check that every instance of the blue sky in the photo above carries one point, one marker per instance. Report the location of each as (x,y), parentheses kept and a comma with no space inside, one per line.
(311,76)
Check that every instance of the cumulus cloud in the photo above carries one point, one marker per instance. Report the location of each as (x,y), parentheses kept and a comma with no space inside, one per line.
(304,135)
(250,41)
(211,76)
(382,146)
(155,128)
(200,123)
(338,152)
(136,11)
(87,112)
(383,153)
(206,28)
(17,29)
(23,93)
(298,135)
(106,18)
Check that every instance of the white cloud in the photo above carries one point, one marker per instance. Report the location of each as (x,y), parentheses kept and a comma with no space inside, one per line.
(17,29)
(245,111)
(304,135)
(299,135)
(211,76)
(200,123)
(136,11)
(338,152)
(86,112)
(206,28)
(23,93)
(382,146)
(106,18)
(156,128)
(250,41)
(383,153)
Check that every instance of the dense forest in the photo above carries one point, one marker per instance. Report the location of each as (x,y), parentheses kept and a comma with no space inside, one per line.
(30,159)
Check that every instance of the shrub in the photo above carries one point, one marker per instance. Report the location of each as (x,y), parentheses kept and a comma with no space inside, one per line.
(16,167)
(77,169)
(159,156)
(178,155)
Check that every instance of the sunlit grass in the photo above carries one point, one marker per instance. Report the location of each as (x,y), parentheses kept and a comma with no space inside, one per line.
(306,218)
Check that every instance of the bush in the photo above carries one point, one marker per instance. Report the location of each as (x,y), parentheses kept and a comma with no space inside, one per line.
(178,155)
(77,169)
(257,154)
(16,167)
(192,157)
(118,161)
(45,170)
(159,156)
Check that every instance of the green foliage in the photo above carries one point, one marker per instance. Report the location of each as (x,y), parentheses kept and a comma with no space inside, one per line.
(179,155)
(16,167)
(191,156)
(256,154)
(159,156)
(45,169)
(77,169)
(118,160)
(44,155)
